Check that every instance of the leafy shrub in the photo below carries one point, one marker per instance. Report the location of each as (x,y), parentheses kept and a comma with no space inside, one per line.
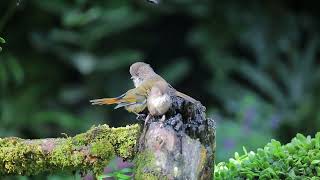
(299,159)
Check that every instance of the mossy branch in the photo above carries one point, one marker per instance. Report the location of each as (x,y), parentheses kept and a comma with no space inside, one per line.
(89,151)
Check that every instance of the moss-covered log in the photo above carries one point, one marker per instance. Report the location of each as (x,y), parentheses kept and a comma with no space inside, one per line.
(90,151)
(180,147)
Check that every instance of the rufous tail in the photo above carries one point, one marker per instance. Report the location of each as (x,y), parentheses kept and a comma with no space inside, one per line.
(105,101)
(186,97)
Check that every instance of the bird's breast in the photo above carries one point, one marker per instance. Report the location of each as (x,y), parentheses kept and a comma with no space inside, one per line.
(159,105)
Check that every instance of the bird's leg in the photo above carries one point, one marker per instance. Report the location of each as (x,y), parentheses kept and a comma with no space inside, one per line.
(143,134)
(163,118)
(147,119)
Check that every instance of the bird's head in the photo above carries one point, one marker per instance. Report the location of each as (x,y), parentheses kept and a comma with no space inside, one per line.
(140,71)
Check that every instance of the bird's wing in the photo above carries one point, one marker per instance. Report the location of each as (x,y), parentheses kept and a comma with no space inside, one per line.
(186,97)
(134,101)
(123,104)
(138,94)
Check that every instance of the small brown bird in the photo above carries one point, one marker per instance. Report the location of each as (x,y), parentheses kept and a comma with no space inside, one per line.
(159,99)
(150,91)
(142,72)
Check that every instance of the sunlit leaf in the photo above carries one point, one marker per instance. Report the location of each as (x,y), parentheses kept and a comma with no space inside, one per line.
(2,40)
(101,177)
(123,176)
(126,170)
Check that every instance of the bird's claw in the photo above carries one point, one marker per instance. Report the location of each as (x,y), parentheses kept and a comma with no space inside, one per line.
(147,120)
(140,117)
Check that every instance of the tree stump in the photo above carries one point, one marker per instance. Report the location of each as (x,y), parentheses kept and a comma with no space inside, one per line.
(180,147)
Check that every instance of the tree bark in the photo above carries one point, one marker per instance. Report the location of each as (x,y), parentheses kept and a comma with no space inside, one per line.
(181,147)
(90,151)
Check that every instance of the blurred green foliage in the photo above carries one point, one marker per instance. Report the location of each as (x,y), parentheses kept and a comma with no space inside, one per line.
(298,159)
(2,41)
(120,174)
(254,65)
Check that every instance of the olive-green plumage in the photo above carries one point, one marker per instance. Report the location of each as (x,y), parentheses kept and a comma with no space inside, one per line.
(134,100)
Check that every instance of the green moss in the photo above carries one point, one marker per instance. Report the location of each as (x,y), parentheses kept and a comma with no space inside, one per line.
(61,155)
(102,147)
(80,139)
(90,151)
(125,140)
(28,159)
(144,167)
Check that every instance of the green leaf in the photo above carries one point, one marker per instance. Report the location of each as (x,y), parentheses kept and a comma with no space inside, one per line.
(236,155)
(244,150)
(126,170)
(315,161)
(109,175)
(275,161)
(123,176)
(2,40)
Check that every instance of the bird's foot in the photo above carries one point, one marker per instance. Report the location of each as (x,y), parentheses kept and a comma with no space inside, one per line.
(142,138)
(140,117)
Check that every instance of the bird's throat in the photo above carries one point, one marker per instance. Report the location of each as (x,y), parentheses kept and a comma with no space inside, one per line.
(136,81)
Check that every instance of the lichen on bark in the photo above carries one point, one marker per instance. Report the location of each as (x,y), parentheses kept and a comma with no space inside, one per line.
(89,151)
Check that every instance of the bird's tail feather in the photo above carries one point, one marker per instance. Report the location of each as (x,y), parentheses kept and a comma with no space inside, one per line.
(186,97)
(117,100)
(105,101)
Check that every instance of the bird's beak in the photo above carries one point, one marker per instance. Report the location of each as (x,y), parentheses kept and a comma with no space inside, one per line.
(132,77)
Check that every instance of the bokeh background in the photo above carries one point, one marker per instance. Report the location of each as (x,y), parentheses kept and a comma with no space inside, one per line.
(254,65)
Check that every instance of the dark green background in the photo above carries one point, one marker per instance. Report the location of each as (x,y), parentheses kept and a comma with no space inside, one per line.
(254,65)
